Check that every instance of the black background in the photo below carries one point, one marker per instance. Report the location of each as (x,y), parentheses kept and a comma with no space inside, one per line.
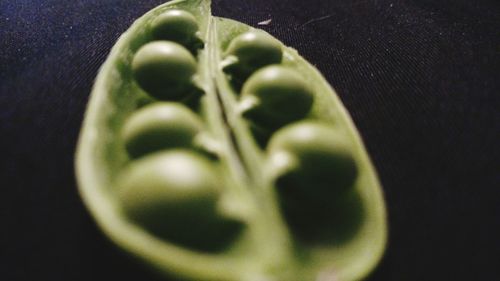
(420,78)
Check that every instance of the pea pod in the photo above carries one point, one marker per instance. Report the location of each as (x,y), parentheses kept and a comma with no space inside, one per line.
(211,151)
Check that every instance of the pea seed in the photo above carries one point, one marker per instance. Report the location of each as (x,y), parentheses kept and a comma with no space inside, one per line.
(174,195)
(275,96)
(164,69)
(160,126)
(289,192)
(250,51)
(314,160)
(178,26)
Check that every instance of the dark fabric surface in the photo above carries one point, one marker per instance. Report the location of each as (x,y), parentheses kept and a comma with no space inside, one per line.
(420,79)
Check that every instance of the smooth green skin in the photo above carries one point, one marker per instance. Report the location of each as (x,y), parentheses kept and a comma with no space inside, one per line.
(165,70)
(313,159)
(178,26)
(174,195)
(266,248)
(249,52)
(159,126)
(275,96)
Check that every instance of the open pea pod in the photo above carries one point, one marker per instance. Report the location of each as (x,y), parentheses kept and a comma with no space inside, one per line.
(210,151)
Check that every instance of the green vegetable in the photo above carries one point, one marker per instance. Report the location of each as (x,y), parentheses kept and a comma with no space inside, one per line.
(178,26)
(275,96)
(164,69)
(174,194)
(314,156)
(249,52)
(159,126)
(307,205)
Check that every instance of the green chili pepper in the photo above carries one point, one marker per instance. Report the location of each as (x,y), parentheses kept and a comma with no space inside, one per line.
(211,151)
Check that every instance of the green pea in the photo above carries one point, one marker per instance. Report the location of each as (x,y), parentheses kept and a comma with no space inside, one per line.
(275,96)
(250,51)
(314,160)
(160,126)
(174,195)
(165,70)
(282,198)
(178,26)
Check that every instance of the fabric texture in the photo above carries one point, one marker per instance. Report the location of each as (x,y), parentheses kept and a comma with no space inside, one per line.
(419,77)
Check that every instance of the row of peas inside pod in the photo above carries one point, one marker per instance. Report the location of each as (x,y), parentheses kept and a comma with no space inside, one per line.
(173,185)
(309,162)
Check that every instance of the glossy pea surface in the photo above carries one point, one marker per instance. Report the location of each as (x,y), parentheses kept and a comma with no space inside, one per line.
(275,96)
(174,195)
(160,126)
(314,159)
(177,26)
(288,193)
(164,69)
